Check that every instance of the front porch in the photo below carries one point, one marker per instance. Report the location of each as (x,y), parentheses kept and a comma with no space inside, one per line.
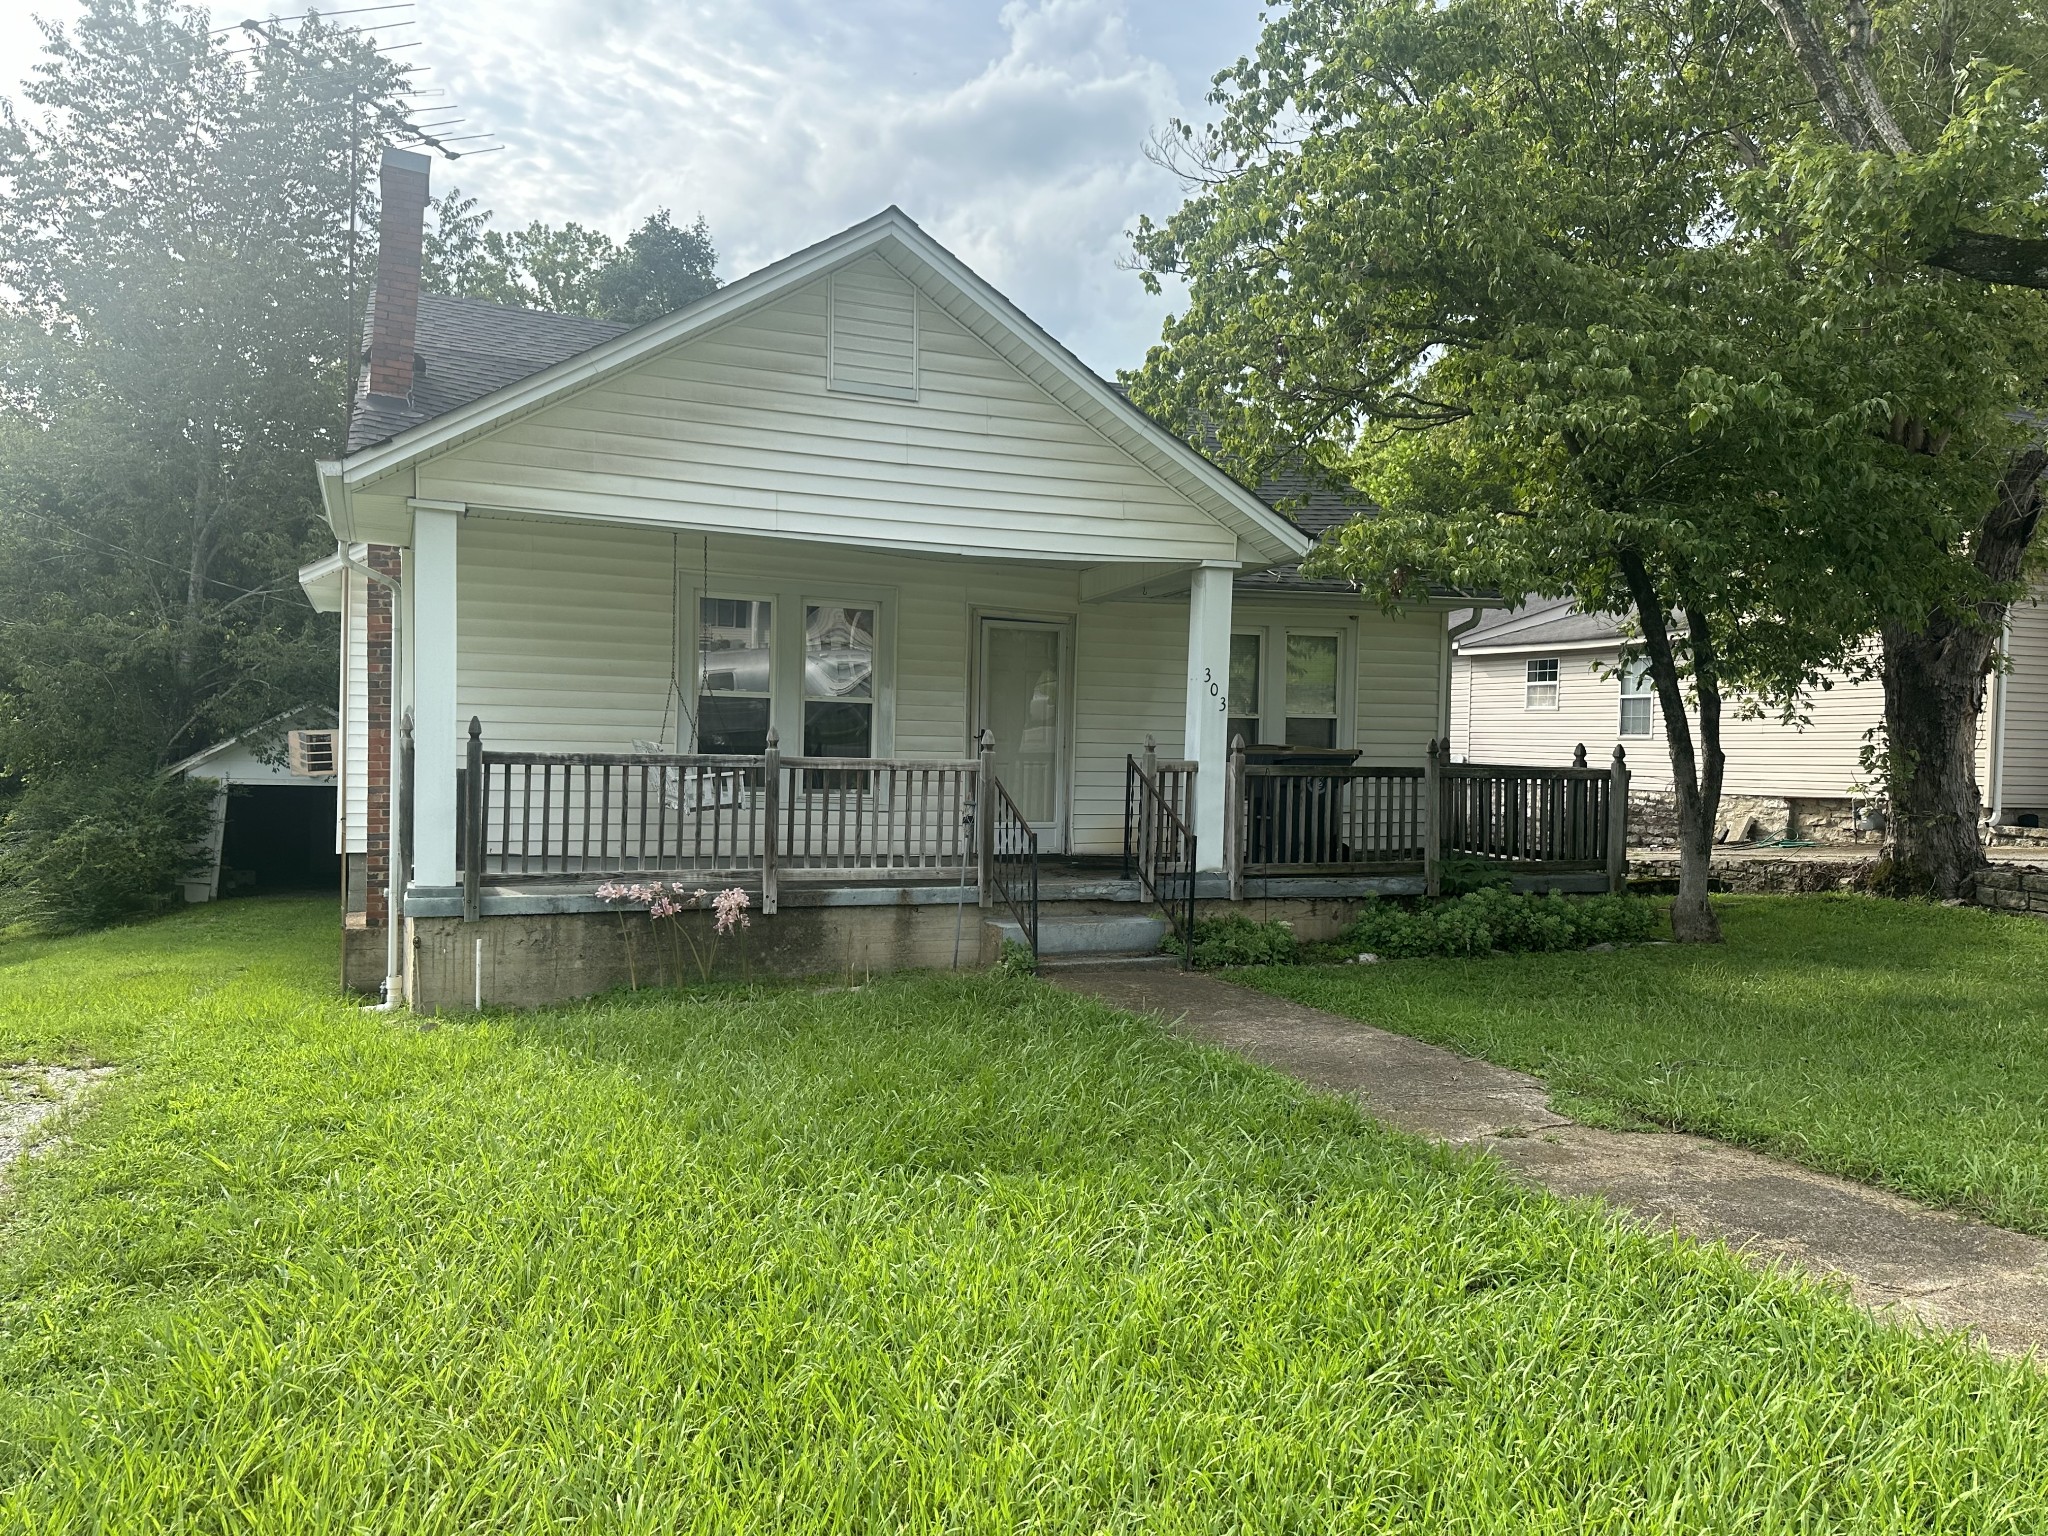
(857,866)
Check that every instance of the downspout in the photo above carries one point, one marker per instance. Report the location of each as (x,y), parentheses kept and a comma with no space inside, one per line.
(394,983)
(1995,813)
(1452,633)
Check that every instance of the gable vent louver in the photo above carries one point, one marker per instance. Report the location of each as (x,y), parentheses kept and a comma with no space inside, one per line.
(873,347)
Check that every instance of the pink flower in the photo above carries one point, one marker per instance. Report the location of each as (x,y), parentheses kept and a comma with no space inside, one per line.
(731,906)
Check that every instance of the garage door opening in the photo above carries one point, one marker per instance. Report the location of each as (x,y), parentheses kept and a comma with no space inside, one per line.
(279,837)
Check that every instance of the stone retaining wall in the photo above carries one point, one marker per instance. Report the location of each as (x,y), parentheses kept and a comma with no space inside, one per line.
(1765,877)
(2013,888)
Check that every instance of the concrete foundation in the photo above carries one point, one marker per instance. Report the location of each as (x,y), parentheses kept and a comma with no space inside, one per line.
(363,954)
(529,960)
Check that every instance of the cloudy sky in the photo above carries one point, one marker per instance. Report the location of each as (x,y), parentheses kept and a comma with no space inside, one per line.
(1011,131)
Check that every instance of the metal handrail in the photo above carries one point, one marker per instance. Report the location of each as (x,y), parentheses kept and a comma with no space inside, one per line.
(1013,862)
(1160,849)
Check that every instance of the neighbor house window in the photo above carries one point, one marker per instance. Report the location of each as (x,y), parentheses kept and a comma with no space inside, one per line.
(1540,690)
(839,684)
(734,668)
(1245,681)
(1311,690)
(1635,699)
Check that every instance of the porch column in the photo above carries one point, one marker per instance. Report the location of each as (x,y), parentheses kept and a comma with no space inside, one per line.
(1207,740)
(437,734)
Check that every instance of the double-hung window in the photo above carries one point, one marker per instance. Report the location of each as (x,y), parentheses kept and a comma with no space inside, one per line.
(735,674)
(839,687)
(1540,684)
(1311,690)
(1246,678)
(1635,699)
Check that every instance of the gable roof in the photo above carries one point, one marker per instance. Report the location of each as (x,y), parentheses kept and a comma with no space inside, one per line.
(478,361)
(1540,622)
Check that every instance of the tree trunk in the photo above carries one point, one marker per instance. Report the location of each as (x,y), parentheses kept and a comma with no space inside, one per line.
(1698,794)
(1933,694)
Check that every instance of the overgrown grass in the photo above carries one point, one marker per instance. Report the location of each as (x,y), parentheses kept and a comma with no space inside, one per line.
(1899,1043)
(935,1254)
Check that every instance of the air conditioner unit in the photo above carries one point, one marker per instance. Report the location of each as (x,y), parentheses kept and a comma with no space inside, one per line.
(311,754)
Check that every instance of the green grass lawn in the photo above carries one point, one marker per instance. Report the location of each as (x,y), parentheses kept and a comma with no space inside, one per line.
(961,1254)
(1898,1043)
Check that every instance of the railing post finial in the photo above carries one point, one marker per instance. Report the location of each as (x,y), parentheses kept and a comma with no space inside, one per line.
(1620,754)
(476,728)
(774,737)
(1579,755)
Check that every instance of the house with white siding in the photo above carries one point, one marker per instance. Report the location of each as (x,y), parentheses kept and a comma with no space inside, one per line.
(846,584)
(1535,682)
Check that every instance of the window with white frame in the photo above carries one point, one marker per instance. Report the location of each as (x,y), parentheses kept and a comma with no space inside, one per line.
(1246,678)
(1312,691)
(1540,683)
(1636,699)
(839,680)
(735,674)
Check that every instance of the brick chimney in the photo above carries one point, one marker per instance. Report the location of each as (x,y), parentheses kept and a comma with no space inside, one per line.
(395,307)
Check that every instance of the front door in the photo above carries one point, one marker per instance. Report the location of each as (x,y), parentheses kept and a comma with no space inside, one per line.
(1024,703)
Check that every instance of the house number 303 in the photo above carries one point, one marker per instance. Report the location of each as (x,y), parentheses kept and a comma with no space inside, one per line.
(1216,692)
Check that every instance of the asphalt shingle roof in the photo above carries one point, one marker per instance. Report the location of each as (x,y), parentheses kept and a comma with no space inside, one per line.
(1539,621)
(469,348)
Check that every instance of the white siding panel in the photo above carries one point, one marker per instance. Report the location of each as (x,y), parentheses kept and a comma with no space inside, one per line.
(1133,661)
(1400,682)
(738,431)
(564,634)
(2026,710)
(1492,724)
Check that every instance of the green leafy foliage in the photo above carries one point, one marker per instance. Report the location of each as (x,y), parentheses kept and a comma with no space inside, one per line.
(75,854)
(1234,939)
(1492,918)
(174,340)
(568,268)
(1542,281)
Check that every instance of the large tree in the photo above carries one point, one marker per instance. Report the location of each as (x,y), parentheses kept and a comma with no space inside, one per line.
(569,268)
(174,336)
(1926,171)
(1499,262)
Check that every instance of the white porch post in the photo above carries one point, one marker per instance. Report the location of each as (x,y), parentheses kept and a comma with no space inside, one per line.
(437,734)
(1207,740)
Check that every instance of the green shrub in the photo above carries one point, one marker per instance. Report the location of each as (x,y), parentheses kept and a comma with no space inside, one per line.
(76,855)
(1492,918)
(1017,959)
(1234,939)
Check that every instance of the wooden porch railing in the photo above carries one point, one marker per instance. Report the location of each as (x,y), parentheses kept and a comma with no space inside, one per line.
(1309,821)
(766,819)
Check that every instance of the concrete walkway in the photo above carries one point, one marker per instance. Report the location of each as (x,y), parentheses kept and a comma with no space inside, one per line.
(1947,1271)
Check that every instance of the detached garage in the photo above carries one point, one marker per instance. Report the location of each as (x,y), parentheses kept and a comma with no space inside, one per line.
(273,821)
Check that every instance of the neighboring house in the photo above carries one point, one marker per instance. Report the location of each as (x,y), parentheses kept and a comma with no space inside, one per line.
(274,812)
(1533,683)
(855,506)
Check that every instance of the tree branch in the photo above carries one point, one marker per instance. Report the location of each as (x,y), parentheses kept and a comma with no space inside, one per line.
(1856,61)
(1810,53)
(2018,260)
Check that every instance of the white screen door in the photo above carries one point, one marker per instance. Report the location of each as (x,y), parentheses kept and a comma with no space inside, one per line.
(1023,701)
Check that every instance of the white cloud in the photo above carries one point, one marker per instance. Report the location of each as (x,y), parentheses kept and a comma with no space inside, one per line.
(1014,134)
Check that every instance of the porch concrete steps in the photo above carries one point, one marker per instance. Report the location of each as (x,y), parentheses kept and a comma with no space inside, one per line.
(1097,936)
